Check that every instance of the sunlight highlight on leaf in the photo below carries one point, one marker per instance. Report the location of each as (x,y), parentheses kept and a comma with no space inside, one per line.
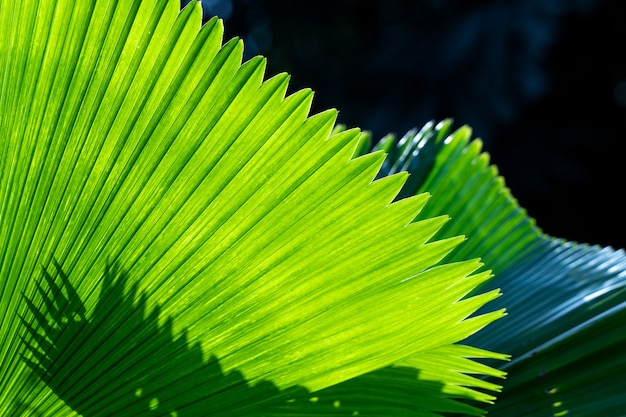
(246,230)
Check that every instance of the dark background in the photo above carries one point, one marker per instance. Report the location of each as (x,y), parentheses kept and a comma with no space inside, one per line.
(542,82)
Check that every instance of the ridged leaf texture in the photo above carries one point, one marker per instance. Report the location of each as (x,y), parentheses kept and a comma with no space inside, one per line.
(180,237)
(566,301)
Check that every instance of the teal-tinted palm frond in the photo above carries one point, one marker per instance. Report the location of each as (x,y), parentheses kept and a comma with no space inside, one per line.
(256,256)
(565,329)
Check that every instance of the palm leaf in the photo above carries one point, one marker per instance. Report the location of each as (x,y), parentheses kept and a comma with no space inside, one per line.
(178,236)
(565,327)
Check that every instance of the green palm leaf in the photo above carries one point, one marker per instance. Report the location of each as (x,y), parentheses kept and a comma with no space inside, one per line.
(177,237)
(565,328)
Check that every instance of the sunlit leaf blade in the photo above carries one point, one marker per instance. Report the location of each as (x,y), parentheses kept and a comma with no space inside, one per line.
(177,236)
(565,301)
(394,390)
(457,366)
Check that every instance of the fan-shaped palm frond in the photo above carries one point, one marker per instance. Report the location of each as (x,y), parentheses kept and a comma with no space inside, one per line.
(179,236)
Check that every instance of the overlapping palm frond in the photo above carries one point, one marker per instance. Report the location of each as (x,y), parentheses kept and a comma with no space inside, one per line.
(566,329)
(178,236)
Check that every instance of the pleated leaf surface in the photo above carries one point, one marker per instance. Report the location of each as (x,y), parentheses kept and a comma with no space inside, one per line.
(179,237)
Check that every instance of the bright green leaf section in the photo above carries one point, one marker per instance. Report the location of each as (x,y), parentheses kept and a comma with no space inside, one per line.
(255,257)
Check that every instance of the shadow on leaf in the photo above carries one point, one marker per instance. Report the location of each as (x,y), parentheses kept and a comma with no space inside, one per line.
(118,361)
